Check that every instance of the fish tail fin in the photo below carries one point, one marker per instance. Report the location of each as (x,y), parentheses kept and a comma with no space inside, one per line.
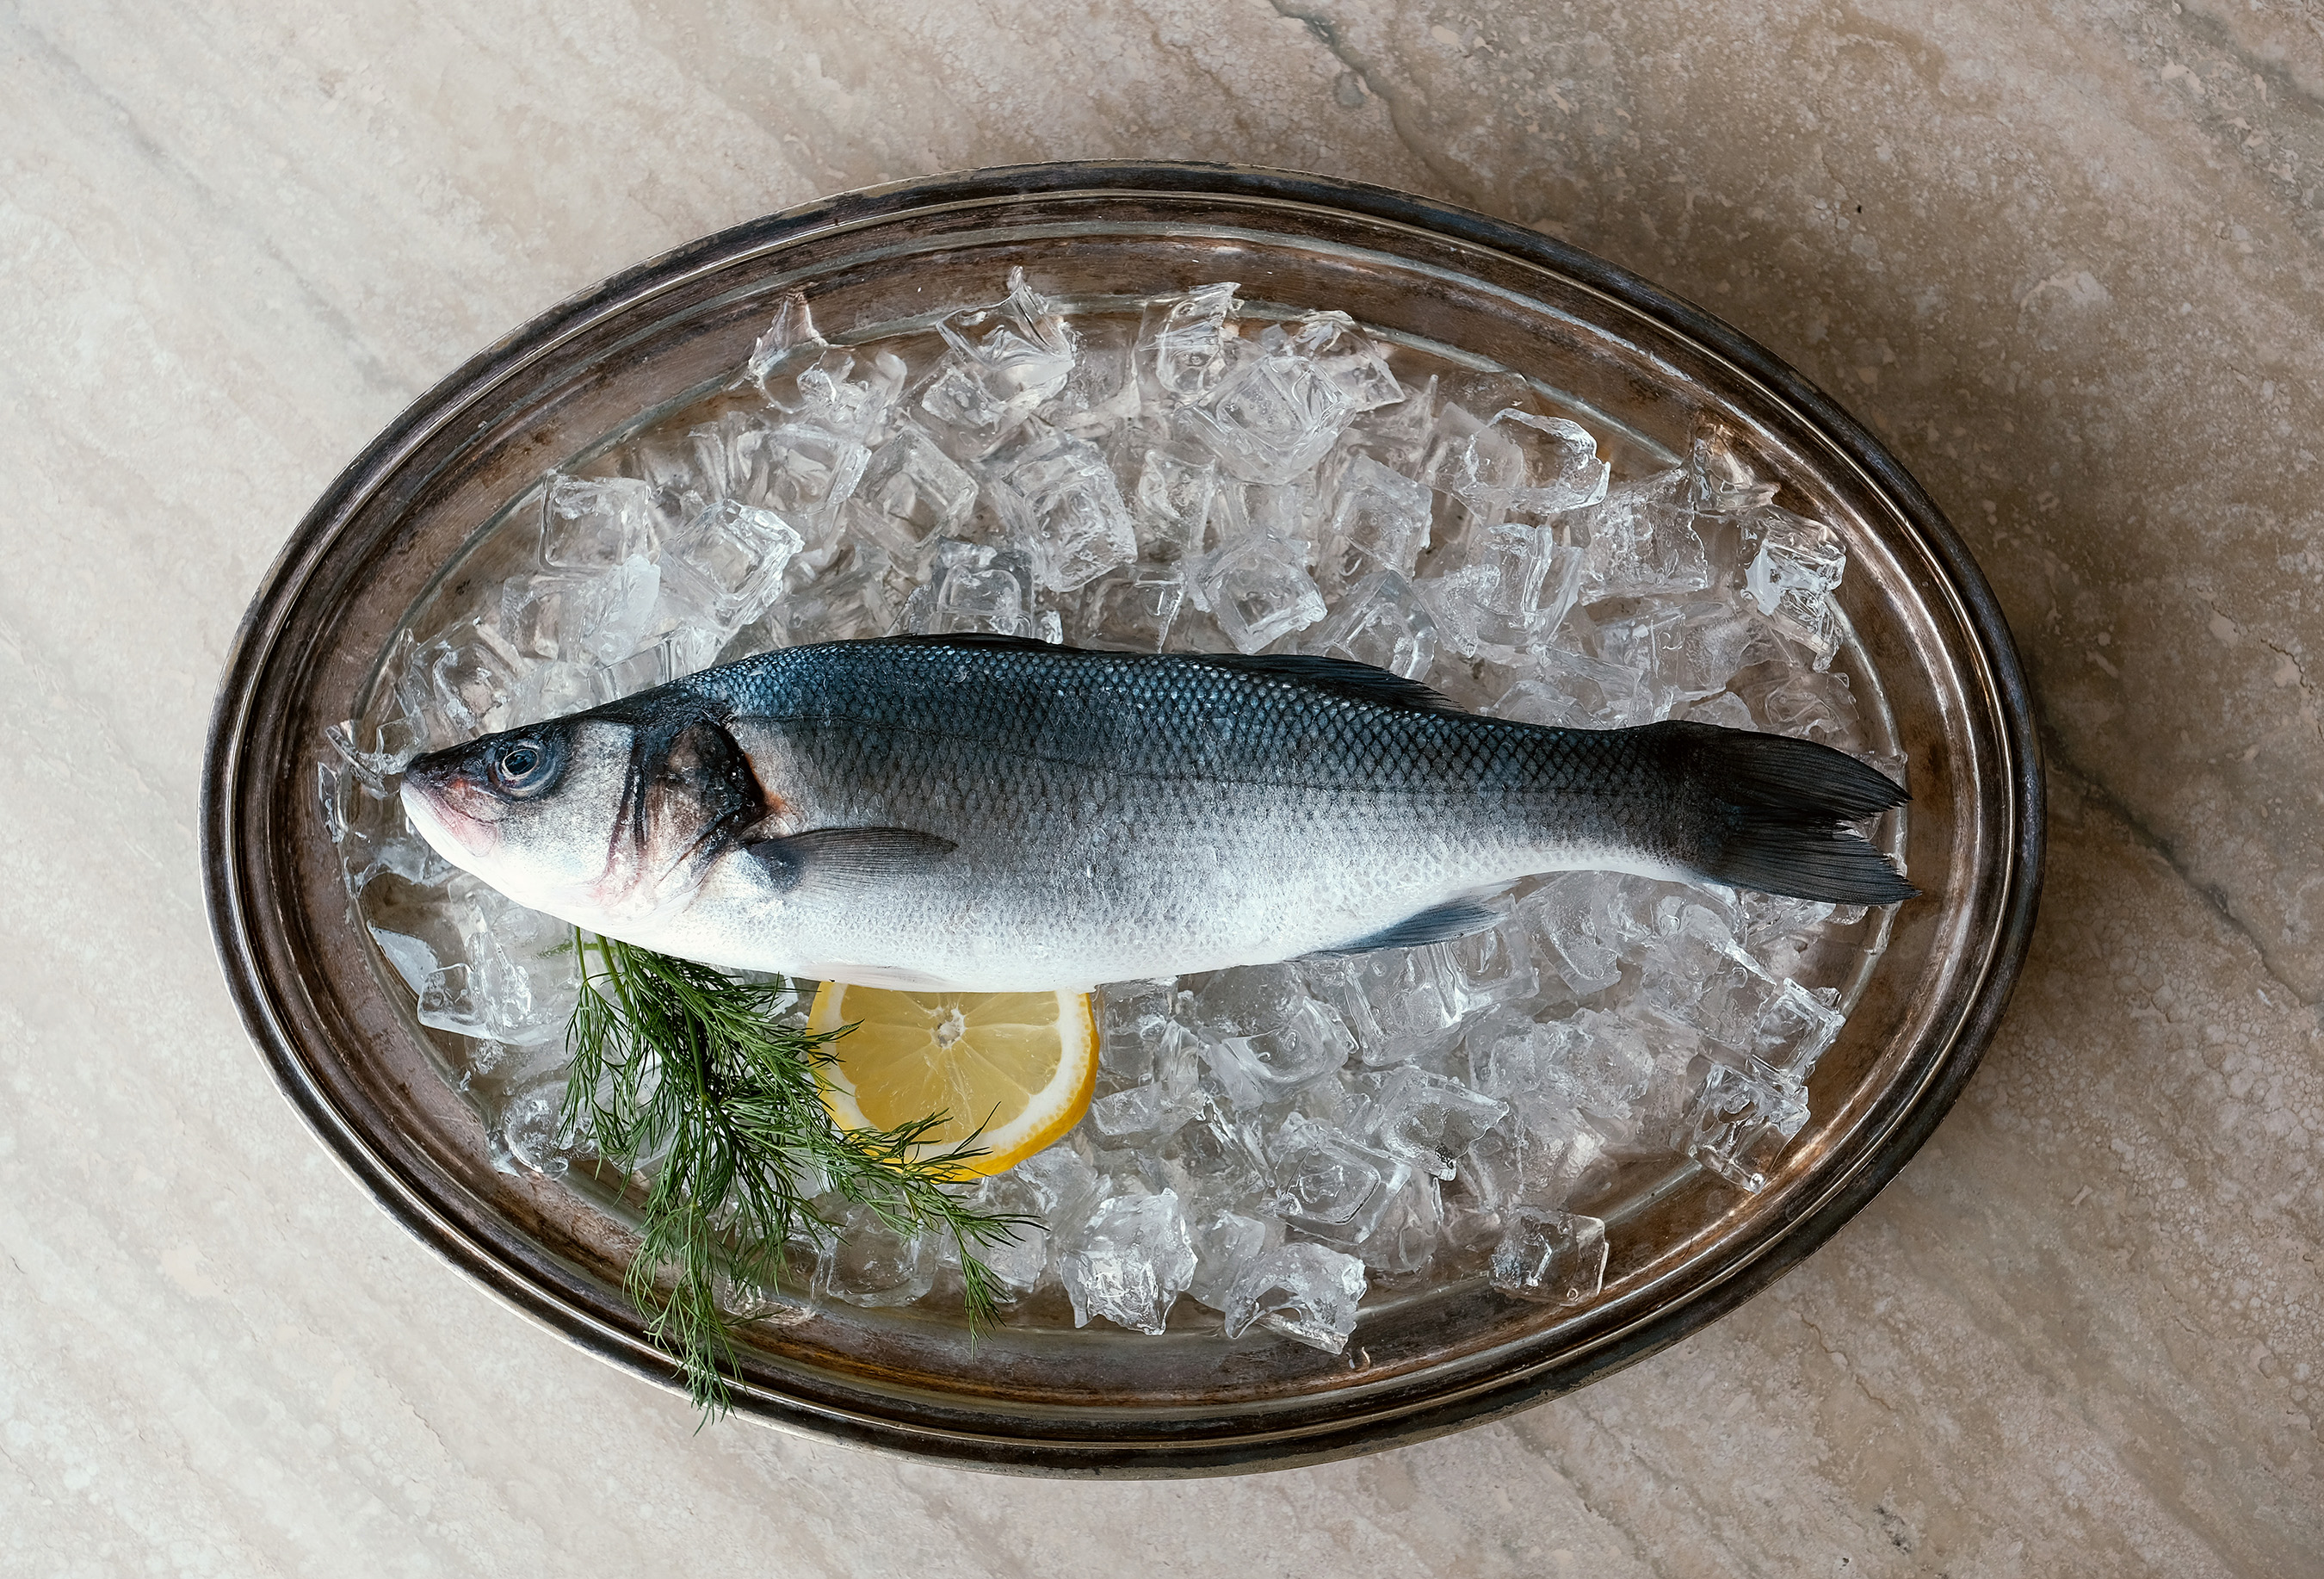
(1769,812)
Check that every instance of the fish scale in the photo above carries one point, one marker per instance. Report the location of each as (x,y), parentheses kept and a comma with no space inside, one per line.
(993,814)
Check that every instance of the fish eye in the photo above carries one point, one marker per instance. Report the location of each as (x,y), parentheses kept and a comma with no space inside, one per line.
(522,767)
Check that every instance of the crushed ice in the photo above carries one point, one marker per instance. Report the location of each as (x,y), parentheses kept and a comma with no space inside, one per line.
(1269,1142)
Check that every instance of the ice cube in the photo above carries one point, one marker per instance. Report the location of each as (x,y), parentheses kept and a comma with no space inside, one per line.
(1381,622)
(1515,588)
(1466,459)
(1492,967)
(1589,920)
(1539,1161)
(1134,1024)
(1137,1111)
(847,601)
(912,493)
(522,974)
(1553,1257)
(1561,470)
(447,1004)
(413,960)
(1397,436)
(1020,1256)
(1781,932)
(1724,483)
(1379,522)
(1679,651)
(1246,998)
(642,670)
(829,398)
(1409,1232)
(1226,1241)
(595,524)
(1428,1120)
(1411,996)
(727,563)
(1514,463)
(1694,970)
(1100,395)
(1259,590)
(974,589)
(1270,418)
(1741,1122)
(866,1262)
(393,742)
(1269,1064)
(1129,1262)
(530,1131)
(1593,1063)
(532,613)
(1811,706)
(1003,361)
(1568,690)
(1344,359)
(803,471)
(608,615)
(1222,1149)
(1184,345)
(1795,565)
(791,335)
(1064,1183)
(1330,1184)
(1643,540)
(1796,1026)
(468,678)
(1058,496)
(1727,710)
(1173,503)
(1701,651)
(1306,1292)
(1134,611)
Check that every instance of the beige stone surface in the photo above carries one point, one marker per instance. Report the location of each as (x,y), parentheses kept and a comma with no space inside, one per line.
(2064,258)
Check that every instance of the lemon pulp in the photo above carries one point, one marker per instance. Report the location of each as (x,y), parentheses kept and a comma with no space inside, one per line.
(1014,1070)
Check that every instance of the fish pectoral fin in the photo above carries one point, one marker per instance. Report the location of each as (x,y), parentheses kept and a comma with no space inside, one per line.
(1437,924)
(848,858)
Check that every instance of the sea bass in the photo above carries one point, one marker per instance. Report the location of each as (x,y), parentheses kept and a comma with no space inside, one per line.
(993,814)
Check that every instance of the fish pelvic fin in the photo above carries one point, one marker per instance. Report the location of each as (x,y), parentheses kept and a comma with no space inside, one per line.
(1437,924)
(1768,812)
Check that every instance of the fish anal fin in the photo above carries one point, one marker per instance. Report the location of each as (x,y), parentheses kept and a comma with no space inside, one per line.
(848,858)
(1437,924)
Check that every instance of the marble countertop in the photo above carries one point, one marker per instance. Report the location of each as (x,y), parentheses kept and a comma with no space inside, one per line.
(2065,260)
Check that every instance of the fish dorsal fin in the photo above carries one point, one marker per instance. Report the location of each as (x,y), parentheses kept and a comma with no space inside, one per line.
(980,641)
(1343,677)
(1437,924)
(1339,676)
(848,859)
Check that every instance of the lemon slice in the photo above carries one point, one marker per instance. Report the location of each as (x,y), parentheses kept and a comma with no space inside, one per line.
(1015,1069)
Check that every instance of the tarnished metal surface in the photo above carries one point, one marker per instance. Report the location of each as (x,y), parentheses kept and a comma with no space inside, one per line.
(1097,1402)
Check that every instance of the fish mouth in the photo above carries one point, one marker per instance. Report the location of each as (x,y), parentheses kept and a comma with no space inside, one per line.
(447,808)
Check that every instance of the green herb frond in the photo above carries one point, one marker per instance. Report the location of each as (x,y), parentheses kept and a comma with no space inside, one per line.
(686,1073)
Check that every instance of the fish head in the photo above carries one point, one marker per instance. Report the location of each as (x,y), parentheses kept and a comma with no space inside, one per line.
(532,812)
(608,819)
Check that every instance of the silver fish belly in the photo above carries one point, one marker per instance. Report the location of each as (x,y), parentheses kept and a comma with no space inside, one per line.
(987,813)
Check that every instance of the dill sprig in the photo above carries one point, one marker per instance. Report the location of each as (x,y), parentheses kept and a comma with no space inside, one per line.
(687,1068)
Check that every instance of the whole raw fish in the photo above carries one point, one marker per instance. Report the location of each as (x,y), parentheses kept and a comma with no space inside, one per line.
(990,814)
